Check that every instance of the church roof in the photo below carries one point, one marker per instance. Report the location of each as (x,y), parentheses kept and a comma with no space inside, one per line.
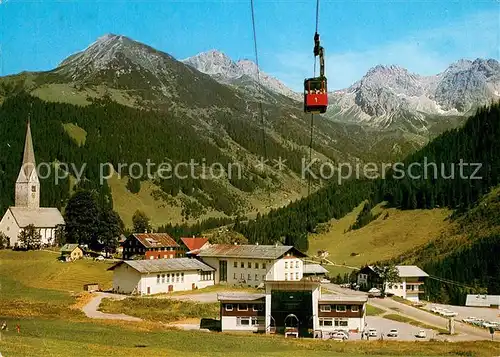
(29,162)
(39,217)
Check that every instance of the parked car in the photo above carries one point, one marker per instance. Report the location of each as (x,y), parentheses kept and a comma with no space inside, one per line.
(372,332)
(393,333)
(338,335)
(421,334)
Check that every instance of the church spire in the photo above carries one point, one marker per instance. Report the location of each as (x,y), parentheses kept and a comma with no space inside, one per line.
(29,163)
(27,184)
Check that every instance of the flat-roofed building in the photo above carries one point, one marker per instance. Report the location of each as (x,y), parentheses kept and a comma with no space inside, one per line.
(293,308)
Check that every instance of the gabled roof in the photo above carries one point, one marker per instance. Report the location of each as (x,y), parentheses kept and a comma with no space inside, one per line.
(155,240)
(194,243)
(164,265)
(39,217)
(410,271)
(248,251)
(314,269)
(68,248)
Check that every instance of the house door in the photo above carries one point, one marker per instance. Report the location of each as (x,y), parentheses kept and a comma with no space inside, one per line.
(193,286)
(149,290)
(170,288)
(222,270)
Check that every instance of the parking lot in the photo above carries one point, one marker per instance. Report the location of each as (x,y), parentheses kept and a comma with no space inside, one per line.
(466,311)
(406,332)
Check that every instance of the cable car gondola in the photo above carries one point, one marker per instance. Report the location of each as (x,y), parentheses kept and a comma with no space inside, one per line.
(315,89)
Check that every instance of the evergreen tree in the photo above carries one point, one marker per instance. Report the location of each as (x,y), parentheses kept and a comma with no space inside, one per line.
(4,241)
(109,230)
(82,218)
(141,222)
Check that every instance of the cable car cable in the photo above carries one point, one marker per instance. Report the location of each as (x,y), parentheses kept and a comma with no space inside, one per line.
(312,126)
(259,85)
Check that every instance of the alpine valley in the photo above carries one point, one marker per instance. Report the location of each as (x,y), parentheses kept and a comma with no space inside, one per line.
(121,101)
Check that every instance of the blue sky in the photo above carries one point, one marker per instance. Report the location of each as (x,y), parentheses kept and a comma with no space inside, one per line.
(424,36)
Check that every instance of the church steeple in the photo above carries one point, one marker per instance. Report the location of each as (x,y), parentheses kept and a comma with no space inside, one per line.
(27,184)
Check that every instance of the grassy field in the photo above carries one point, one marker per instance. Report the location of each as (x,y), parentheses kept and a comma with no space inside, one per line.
(42,337)
(373,311)
(393,232)
(76,133)
(162,310)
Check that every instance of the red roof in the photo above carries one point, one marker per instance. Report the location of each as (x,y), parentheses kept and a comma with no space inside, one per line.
(194,243)
(155,240)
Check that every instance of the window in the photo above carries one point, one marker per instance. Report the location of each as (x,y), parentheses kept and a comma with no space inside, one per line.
(297,264)
(263,265)
(243,321)
(242,264)
(341,322)
(163,278)
(291,276)
(325,321)
(263,277)
(258,307)
(255,321)
(286,276)
(182,277)
(340,308)
(242,276)
(234,276)
(235,264)
(325,308)
(286,265)
(33,188)
(256,277)
(296,276)
(354,308)
(256,265)
(158,279)
(177,277)
(249,265)
(242,307)
(229,307)
(168,278)
(249,277)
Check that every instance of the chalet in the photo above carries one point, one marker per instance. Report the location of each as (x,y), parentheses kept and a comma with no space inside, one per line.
(409,285)
(488,301)
(71,252)
(150,246)
(193,245)
(251,265)
(293,308)
(145,277)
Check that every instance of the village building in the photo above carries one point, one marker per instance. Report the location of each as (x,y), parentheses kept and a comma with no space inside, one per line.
(150,246)
(480,300)
(71,252)
(315,270)
(146,277)
(27,210)
(251,265)
(193,245)
(409,285)
(293,308)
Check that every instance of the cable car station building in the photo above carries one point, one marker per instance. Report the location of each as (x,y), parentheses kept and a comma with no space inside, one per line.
(292,308)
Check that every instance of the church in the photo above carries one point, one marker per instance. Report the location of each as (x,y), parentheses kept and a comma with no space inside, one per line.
(27,208)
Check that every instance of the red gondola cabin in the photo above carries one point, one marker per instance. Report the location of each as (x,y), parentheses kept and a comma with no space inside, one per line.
(315,95)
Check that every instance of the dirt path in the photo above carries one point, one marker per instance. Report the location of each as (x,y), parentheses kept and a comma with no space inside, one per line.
(91,311)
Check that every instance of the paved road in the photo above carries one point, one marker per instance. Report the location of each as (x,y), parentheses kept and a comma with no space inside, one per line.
(91,311)
(465,332)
